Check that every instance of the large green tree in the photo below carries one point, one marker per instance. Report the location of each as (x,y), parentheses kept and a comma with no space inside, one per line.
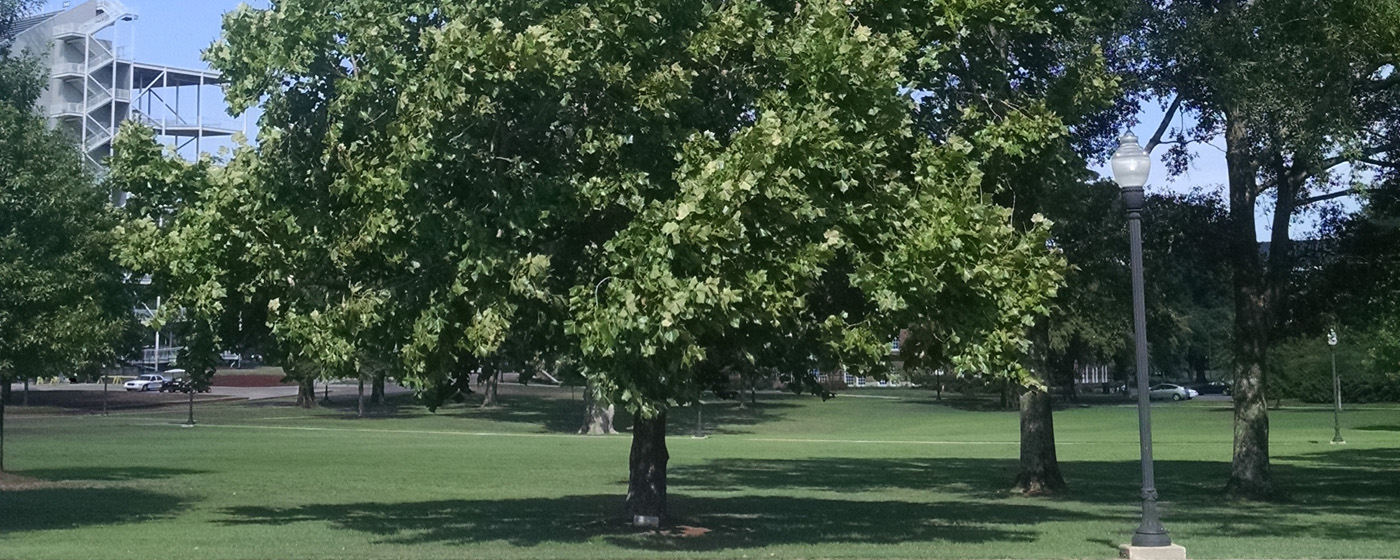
(683,188)
(64,309)
(1298,90)
(1040,63)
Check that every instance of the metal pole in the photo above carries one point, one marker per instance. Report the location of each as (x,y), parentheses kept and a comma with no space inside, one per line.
(105,380)
(1150,532)
(190,388)
(157,353)
(1337,392)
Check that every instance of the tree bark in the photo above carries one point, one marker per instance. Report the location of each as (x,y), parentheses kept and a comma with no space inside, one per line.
(1250,475)
(491,398)
(5,393)
(26,391)
(646,482)
(376,393)
(306,392)
(362,396)
(1040,469)
(2,427)
(597,413)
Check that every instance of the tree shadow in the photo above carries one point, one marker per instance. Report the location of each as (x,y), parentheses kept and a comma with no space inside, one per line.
(1380,428)
(107,474)
(83,400)
(552,413)
(728,417)
(48,508)
(556,411)
(703,523)
(1339,495)
(1335,494)
(394,406)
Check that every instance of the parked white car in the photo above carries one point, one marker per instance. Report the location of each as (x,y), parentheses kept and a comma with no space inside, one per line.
(146,382)
(1172,391)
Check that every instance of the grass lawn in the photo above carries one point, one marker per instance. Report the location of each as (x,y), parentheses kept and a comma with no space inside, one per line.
(857,477)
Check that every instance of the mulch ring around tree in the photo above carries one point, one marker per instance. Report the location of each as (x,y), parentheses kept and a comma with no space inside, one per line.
(89,401)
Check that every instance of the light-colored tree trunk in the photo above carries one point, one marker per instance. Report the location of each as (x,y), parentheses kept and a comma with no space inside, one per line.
(597,413)
(491,399)
(306,392)
(362,396)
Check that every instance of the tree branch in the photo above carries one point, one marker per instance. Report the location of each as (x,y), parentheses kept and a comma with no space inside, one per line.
(1378,163)
(1162,126)
(1333,195)
(1302,173)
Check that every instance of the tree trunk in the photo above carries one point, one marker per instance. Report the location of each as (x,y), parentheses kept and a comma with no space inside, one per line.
(1040,469)
(1200,367)
(493,376)
(306,392)
(1249,468)
(2,428)
(5,393)
(376,392)
(597,413)
(646,482)
(753,392)
(362,396)
(26,391)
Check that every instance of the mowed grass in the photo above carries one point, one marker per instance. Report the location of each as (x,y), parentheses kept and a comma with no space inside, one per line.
(856,477)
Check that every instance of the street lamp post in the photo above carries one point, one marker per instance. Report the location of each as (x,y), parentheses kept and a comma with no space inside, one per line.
(1131,166)
(1336,390)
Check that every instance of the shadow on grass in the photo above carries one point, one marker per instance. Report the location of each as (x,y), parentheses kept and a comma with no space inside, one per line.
(712,523)
(1380,428)
(554,410)
(107,474)
(41,509)
(1336,494)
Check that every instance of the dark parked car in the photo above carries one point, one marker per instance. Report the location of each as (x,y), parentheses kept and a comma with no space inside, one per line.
(1212,388)
(183,386)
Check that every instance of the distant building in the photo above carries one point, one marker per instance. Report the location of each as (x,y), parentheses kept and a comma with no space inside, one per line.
(95,84)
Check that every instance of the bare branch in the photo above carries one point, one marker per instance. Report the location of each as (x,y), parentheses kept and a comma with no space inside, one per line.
(1334,195)
(1162,126)
(1378,163)
(1382,84)
(1302,173)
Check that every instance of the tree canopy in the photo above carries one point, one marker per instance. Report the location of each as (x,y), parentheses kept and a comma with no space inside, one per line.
(679,188)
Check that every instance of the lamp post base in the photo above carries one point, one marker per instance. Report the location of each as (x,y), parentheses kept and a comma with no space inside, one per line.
(1339,441)
(1169,552)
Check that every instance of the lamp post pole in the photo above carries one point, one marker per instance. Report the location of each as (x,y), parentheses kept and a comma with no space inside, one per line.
(1336,391)
(1131,166)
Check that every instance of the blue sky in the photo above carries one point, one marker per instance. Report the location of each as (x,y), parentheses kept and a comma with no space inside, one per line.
(174,32)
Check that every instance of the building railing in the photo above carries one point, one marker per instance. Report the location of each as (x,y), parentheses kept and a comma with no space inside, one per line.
(166,356)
